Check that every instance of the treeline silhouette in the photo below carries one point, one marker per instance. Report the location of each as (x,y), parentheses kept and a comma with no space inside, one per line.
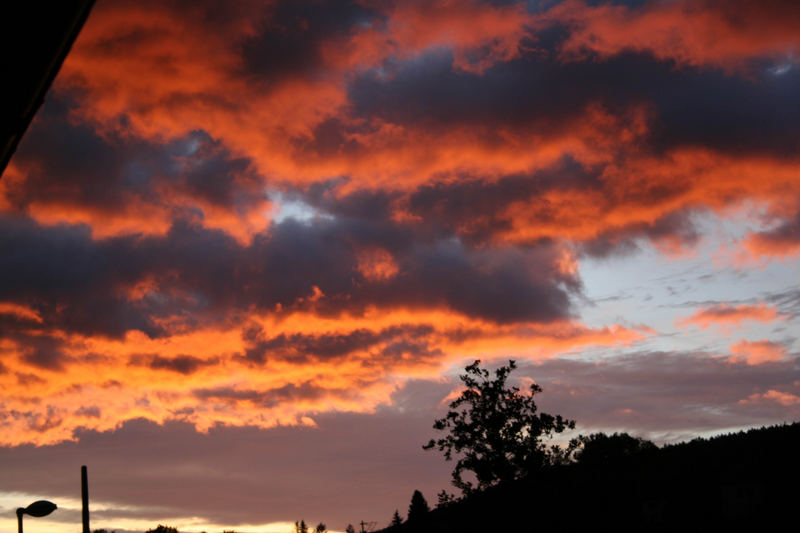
(299,527)
(517,482)
(734,482)
(739,481)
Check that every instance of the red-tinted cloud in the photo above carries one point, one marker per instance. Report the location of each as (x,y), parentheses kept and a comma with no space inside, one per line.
(273,371)
(782,241)
(363,119)
(715,33)
(453,164)
(479,34)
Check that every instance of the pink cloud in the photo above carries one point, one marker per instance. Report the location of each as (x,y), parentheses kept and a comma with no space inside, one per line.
(783,398)
(757,352)
(726,314)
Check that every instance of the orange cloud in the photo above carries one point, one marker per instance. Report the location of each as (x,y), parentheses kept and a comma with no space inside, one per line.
(731,315)
(782,243)
(20,311)
(144,219)
(180,73)
(759,246)
(784,398)
(311,365)
(242,333)
(479,34)
(143,189)
(642,189)
(185,76)
(377,264)
(705,33)
(758,352)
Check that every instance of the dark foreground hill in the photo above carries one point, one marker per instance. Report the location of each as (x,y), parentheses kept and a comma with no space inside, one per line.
(737,482)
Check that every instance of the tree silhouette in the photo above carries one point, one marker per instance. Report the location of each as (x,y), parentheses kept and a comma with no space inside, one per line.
(418,507)
(321,528)
(444,499)
(601,449)
(497,430)
(350,529)
(300,527)
(162,529)
(397,521)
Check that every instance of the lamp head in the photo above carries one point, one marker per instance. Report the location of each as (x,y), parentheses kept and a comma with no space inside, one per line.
(39,508)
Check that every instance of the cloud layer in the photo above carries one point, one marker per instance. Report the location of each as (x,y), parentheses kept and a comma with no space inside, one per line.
(263,214)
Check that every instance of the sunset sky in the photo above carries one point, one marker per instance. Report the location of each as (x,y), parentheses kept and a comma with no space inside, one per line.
(247,247)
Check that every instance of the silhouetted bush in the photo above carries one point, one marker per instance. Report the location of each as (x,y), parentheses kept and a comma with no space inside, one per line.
(599,448)
(162,529)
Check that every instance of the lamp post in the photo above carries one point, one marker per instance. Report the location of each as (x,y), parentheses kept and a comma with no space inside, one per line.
(84,499)
(38,508)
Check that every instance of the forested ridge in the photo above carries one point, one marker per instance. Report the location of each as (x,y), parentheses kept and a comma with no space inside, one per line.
(745,480)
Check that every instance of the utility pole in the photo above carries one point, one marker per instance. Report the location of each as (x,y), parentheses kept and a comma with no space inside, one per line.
(85,499)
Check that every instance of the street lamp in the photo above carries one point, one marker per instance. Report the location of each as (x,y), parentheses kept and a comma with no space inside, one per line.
(38,508)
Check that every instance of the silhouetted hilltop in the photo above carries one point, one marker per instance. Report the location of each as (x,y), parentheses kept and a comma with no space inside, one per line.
(736,481)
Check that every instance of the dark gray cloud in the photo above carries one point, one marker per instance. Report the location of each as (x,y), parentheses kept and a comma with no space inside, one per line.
(71,163)
(721,110)
(80,284)
(303,348)
(675,229)
(788,301)
(292,36)
(182,364)
(69,278)
(470,208)
(474,208)
(270,397)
